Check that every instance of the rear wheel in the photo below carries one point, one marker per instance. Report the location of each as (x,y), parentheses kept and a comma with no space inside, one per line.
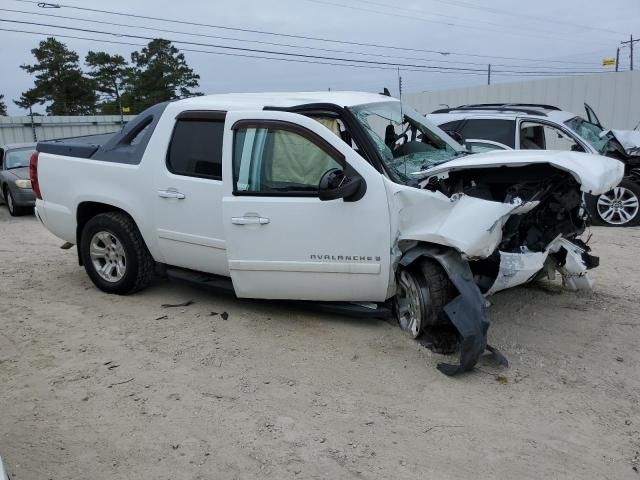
(619,207)
(424,289)
(115,255)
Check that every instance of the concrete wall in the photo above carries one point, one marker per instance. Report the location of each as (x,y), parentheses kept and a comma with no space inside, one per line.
(19,130)
(614,96)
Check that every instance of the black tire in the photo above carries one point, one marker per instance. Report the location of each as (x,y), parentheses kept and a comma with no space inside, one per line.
(14,211)
(597,217)
(139,265)
(428,284)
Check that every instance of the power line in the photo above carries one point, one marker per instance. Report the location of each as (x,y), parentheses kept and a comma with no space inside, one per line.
(101,40)
(485,8)
(422,19)
(288,35)
(262,42)
(272,52)
(262,57)
(244,49)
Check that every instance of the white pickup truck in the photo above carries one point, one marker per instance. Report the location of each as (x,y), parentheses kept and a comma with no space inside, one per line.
(329,196)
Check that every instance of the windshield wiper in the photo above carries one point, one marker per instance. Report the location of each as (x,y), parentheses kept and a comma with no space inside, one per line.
(17,166)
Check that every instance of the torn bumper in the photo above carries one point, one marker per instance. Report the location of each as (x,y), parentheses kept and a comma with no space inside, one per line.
(518,268)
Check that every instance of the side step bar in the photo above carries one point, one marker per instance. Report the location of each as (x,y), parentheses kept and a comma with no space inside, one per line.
(224,284)
(199,279)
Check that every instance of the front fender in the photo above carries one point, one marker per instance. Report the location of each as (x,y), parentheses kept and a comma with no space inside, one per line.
(468,311)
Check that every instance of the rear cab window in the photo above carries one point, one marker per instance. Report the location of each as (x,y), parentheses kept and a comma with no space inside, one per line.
(196,145)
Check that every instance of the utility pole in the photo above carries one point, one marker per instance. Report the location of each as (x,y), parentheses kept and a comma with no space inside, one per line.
(617,59)
(630,43)
(399,83)
(33,127)
(489,74)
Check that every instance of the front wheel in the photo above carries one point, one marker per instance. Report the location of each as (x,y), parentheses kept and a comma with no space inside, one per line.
(619,207)
(424,289)
(14,210)
(115,255)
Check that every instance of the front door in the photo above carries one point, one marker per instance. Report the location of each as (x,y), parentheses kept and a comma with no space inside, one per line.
(283,242)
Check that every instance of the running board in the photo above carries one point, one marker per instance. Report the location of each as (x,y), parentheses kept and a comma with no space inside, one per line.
(213,282)
(219,283)
(351,309)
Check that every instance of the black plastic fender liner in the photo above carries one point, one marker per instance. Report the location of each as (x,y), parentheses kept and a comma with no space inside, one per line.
(468,311)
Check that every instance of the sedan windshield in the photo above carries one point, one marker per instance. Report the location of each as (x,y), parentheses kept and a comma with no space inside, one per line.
(592,133)
(18,158)
(407,142)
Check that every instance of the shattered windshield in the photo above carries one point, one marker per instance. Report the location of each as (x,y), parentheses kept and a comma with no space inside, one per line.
(407,142)
(590,132)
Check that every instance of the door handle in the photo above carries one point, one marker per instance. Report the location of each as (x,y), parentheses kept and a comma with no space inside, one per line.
(171,193)
(249,220)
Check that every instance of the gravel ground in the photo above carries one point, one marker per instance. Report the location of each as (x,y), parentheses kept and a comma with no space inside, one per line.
(105,387)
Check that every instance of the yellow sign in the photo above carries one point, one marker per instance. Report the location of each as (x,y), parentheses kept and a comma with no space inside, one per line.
(126,109)
(608,61)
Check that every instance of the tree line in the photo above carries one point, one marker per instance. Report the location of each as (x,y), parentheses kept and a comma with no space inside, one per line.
(109,84)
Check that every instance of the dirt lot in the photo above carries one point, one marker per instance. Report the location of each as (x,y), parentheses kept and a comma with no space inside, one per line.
(104,387)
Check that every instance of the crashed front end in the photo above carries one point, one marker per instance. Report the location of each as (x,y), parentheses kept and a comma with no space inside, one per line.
(509,217)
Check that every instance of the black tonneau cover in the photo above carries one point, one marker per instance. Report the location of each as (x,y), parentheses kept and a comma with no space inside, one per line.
(117,147)
(81,147)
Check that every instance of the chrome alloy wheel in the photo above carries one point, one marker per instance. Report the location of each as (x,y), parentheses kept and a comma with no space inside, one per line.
(108,257)
(619,206)
(409,304)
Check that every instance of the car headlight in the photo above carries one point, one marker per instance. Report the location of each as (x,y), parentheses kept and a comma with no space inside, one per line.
(23,183)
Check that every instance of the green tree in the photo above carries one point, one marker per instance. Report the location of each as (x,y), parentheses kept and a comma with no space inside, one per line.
(110,74)
(27,100)
(60,81)
(3,106)
(160,73)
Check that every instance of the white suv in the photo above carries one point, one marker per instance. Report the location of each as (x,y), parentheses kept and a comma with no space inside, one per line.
(520,126)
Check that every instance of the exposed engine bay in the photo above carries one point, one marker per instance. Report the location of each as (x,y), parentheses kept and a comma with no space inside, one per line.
(547,210)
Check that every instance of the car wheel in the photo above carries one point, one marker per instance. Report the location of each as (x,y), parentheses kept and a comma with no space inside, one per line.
(115,255)
(423,291)
(14,211)
(619,207)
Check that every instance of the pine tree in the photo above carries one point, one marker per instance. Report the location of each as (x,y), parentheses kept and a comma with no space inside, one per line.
(160,73)
(110,74)
(3,106)
(59,80)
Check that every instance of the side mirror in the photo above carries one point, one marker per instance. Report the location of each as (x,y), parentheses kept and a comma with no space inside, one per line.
(335,184)
(576,148)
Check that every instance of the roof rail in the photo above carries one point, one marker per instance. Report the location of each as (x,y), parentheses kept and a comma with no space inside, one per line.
(501,108)
(514,104)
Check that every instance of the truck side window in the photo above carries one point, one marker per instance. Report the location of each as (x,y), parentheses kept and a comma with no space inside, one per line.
(276,161)
(196,148)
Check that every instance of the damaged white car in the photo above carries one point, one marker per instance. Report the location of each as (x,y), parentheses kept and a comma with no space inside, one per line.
(349,199)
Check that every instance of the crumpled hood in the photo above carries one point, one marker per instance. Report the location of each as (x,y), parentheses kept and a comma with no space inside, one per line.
(595,173)
(629,139)
(21,173)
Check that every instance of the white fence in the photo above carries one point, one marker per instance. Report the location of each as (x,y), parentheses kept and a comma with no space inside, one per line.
(20,129)
(614,96)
